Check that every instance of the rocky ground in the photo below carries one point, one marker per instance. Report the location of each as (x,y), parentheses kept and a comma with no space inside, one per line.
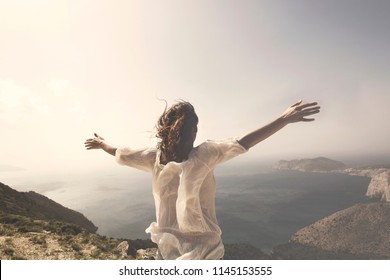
(25,238)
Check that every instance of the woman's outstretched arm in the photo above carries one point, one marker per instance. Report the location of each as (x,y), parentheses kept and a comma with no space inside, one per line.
(99,143)
(297,112)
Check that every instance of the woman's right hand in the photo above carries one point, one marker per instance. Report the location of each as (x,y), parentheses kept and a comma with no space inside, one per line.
(299,112)
(94,143)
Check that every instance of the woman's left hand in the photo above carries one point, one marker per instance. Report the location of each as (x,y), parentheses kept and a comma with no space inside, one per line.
(299,112)
(94,143)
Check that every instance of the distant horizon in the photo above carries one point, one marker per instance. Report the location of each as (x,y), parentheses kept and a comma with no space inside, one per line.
(354,160)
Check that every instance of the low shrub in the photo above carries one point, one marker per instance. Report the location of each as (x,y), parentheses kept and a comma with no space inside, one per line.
(76,247)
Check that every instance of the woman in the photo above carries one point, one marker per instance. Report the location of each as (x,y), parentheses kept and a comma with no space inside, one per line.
(186,226)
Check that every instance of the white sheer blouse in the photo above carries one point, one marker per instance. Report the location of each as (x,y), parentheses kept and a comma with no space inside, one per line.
(186,226)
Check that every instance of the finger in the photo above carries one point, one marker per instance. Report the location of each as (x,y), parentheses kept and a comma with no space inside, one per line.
(309,112)
(307,120)
(96,135)
(317,108)
(303,106)
(296,104)
(90,147)
(92,142)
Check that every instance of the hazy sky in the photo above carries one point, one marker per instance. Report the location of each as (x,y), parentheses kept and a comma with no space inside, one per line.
(72,68)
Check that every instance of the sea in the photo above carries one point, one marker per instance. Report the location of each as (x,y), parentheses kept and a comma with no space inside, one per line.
(259,205)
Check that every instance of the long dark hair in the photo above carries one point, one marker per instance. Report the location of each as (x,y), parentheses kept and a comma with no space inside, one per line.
(175,129)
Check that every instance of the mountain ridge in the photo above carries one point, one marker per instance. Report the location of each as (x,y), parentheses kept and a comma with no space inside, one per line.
(37,206)
(357,232)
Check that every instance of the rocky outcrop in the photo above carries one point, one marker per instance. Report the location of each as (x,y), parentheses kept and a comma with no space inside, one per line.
(359,232)
(379,186)
(320,164)
(26,238)
(36,206)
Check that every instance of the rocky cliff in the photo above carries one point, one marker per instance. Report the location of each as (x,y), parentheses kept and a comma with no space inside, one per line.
(39,207)
(359,232)
(30,239)
(379,186)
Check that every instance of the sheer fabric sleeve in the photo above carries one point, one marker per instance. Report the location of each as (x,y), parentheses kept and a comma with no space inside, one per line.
(214,152)
(142,159)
